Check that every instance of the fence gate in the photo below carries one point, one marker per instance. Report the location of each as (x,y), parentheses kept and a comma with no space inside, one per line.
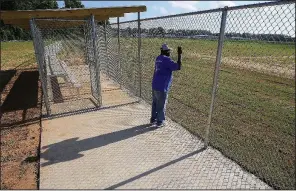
(67,52)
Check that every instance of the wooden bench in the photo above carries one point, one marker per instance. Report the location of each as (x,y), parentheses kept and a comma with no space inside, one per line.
(58,68)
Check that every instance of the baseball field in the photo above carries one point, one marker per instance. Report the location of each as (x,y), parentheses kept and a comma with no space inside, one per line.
(254,113)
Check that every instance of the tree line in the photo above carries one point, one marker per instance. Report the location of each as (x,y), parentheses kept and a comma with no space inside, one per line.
(161,32)
(9,32)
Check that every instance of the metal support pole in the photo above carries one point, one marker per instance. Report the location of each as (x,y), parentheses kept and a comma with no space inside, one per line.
(106,55)
(50,90)
(216,74)
(97,64)
(139,56)
(119,57)
(87,33)
(40,66)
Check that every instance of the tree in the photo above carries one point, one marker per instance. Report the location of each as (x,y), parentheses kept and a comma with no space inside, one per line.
(47,4)
(28,4)
(160,31)
(134,31)
(73,4)
(151,31)
(143,30)
(8,32)
(171,31)
(103,22)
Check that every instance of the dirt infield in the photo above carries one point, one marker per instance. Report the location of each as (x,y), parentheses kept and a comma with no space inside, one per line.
(20,129)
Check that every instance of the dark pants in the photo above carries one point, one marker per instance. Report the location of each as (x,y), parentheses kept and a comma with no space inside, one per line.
(159,100)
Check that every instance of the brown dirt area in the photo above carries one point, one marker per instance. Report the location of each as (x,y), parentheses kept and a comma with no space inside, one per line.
(20,129)
(19,157)
(264,64)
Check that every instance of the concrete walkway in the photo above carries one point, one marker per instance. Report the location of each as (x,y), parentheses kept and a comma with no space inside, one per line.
(114,149)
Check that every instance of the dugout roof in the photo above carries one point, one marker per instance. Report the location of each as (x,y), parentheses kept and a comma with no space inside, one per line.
(21,18)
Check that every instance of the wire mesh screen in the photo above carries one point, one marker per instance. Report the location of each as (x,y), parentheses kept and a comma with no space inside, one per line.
(118,79)
(40,57)
(190,94)
(254,116)
(129,59)
(113,68)
(68,61)
(94,59)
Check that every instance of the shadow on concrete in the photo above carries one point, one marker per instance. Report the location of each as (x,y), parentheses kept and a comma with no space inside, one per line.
(155,169)
(69,149)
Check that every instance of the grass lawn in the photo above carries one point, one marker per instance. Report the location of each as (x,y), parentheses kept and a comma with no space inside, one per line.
(16,55)
(254,116)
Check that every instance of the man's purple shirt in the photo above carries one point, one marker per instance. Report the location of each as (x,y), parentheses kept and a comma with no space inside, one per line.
(162,78)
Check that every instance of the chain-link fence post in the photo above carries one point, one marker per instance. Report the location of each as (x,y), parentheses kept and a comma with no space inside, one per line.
(97,64)
(216,72)
(40,64)
(139,56)
(119,57)
(105,38)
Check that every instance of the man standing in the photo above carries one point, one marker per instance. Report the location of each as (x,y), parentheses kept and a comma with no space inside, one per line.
(162,79)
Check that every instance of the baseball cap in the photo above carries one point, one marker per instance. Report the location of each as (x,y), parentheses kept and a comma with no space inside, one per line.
(165,47)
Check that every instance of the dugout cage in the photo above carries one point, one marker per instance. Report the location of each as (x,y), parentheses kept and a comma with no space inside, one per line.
(77,52)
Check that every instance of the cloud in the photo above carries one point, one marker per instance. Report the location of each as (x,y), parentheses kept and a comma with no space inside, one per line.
(221,4)
(129,16)
(226,3)
(155,7)
(160,11)
(113,20)
(163,11)
(188,5)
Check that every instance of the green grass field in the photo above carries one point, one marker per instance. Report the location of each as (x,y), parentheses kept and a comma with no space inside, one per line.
(254,116)
(17,55)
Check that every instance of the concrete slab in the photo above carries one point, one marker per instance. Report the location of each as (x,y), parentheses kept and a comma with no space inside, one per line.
(115,149)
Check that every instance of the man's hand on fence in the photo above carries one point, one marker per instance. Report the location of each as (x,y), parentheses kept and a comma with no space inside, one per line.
(179,50)
(179,57)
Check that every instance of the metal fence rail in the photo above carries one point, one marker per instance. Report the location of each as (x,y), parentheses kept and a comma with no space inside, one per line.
(246,51)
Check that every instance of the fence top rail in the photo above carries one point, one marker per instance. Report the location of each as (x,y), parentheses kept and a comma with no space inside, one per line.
(256,5)
(57,19)
(171,16)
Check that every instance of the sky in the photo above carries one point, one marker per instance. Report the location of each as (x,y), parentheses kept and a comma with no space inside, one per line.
(278,19)
(161,8)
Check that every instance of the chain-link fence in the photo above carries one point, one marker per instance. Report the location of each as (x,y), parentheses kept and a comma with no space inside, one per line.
(79,65)
(249,53)
(254,116)
(67,52)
